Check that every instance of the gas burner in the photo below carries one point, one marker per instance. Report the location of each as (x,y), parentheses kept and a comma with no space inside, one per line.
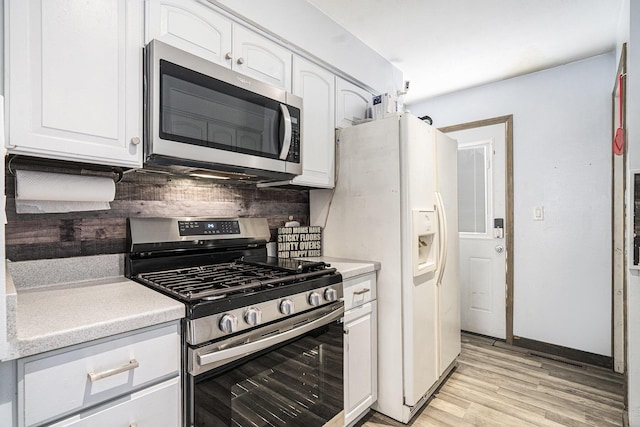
(291,265)
(210,282)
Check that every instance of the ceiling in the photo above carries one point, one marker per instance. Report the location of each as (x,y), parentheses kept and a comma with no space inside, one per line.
(446,46)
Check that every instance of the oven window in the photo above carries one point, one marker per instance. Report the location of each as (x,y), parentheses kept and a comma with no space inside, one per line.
(200,110)
(299,384)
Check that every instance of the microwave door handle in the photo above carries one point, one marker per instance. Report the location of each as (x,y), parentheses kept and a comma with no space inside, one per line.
(286,142)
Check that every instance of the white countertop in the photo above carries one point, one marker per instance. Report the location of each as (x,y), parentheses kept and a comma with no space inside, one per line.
(349,267)
(59,316)
(50,317)
(44,318)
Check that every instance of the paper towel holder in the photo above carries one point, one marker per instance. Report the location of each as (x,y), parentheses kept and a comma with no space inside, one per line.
(39,162)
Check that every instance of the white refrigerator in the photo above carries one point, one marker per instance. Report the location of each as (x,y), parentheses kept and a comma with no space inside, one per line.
(395,202)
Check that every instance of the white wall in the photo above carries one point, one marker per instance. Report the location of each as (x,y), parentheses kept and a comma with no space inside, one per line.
(305,27)
(562,140)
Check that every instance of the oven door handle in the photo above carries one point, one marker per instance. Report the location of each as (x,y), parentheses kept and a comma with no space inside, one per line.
(221,357)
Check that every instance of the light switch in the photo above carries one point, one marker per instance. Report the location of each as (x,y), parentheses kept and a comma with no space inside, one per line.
(538,213)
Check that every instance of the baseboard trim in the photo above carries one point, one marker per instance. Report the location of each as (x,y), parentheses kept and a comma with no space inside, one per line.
(564,352)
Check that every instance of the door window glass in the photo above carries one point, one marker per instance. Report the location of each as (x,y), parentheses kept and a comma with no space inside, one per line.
(473,188)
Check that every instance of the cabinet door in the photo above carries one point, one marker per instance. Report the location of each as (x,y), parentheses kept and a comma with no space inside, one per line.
(75,80)
(352,103)
(361,355)
(154,406)
(316,87)
(191,26)
(261,58)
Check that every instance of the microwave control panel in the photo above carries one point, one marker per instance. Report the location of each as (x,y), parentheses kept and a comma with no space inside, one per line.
(294,149)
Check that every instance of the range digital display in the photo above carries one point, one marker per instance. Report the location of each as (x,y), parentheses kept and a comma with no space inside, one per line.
(208,228)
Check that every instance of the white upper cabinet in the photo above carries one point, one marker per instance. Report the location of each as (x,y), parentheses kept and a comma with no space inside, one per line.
(316,87)
(352,103)
(196,27)
(74,73)
(261,58)
(191,26)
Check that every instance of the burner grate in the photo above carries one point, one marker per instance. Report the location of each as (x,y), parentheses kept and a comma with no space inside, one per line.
(219,280)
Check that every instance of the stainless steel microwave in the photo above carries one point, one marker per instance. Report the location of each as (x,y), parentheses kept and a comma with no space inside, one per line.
(204,119)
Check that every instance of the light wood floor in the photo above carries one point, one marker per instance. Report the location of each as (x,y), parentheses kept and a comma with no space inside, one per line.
(499,385)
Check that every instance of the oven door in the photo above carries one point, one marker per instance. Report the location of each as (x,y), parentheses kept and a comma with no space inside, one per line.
(289,373)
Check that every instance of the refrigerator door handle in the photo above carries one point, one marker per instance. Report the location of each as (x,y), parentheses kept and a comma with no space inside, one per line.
(442,228)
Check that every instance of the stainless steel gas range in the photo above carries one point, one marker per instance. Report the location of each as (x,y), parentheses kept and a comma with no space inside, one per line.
(262,338)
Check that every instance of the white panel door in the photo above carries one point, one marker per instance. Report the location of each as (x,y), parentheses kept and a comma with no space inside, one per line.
(316,87)
(192,26)
(481,199)
(75,86)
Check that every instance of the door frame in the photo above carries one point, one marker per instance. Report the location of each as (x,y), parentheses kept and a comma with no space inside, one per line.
(508,170)
(619,349)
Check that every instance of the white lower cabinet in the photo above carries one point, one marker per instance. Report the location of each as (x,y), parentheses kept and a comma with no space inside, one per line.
(361,348)
(150,407)
(134,375)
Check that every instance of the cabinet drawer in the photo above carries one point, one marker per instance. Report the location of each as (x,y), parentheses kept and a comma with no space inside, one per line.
(359,290)
(63,382)
(154,406)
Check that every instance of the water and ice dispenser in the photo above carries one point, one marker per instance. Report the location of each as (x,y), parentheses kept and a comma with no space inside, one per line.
(424,238)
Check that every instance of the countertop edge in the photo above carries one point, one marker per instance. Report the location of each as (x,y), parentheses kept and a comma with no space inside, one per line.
(30,346)
(24,341)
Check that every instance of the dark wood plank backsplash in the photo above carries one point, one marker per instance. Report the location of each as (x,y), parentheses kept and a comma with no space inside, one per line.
(40,236)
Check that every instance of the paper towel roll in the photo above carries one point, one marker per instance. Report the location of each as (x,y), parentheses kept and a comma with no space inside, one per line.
(45,192)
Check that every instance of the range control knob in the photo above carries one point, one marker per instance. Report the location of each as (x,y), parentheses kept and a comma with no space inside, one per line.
(330,294)
(286,307)
(228,323)
(314,298)
(253,316)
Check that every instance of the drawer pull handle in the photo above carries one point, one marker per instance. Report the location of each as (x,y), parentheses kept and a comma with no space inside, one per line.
(133,364)
(362,291)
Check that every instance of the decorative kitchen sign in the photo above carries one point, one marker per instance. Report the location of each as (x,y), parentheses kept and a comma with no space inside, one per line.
(299,242)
